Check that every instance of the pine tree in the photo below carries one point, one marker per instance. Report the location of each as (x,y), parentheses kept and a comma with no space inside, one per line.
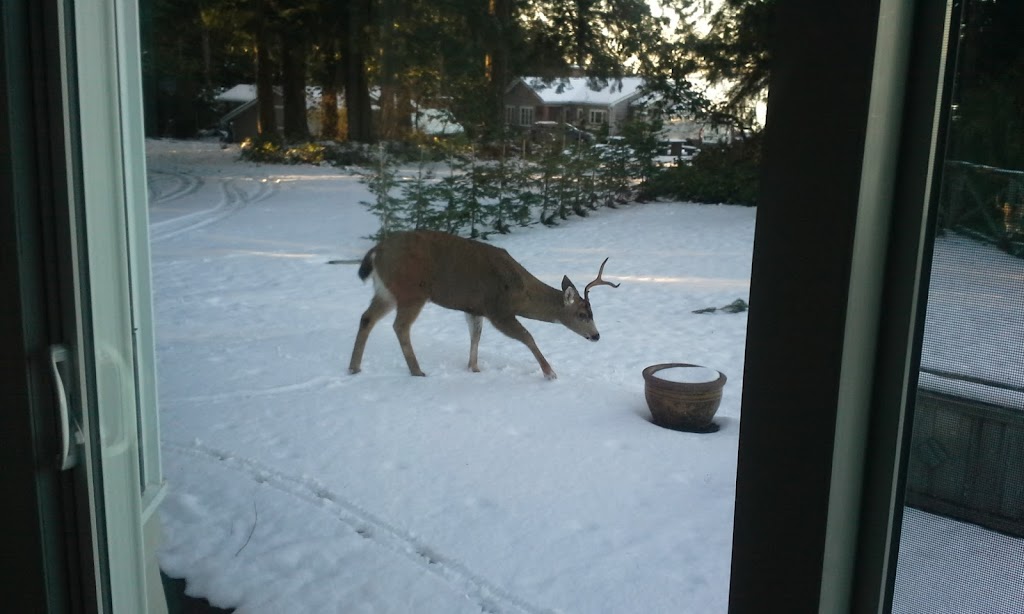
(382,181)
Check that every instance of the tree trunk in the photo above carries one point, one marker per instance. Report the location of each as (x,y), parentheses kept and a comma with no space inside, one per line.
(266,117)
(357,86)
(357,98)
(498,59)
(207,61)
(331,78)
(293,68)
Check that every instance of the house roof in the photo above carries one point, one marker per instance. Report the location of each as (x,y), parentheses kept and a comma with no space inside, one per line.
(246,92)
(243,92)
(578,90)
(436,122)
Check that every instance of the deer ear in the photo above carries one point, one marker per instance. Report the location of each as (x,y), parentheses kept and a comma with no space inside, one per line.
(570,295)
(566,283)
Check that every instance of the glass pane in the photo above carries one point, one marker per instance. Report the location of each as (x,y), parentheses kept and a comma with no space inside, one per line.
(962,544)
(297,485)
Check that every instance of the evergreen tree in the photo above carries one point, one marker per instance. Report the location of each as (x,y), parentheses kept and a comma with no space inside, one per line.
(382,181)
(989,114)
(727,45)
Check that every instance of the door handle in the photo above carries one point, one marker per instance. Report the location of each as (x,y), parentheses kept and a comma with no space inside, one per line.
(70,434)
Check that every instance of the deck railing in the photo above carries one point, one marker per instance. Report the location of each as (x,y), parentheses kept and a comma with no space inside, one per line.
(986,202)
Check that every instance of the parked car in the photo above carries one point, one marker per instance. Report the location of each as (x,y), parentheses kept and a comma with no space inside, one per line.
(615,147)
(674,153)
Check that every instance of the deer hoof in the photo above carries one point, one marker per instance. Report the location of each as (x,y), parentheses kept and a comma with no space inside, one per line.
(418,373)
(550,375)
(353,370)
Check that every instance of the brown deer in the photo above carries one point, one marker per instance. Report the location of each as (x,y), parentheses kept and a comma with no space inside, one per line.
(411,268)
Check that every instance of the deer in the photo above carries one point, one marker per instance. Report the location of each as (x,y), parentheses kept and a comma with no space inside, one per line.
(412,268)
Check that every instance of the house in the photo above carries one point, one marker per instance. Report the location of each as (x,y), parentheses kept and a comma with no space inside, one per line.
(580,101)
(241,121)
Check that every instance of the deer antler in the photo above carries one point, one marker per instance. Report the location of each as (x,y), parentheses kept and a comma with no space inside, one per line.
(598,282)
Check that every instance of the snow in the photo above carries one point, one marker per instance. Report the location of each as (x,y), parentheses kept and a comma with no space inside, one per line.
(458,492)
(243,92)
(957,567)
(687,375)
(973,324)
(246,92)
(294,486)
(578,90)
(435,122)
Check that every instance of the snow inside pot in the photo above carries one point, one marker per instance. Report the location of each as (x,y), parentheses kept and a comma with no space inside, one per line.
(682,396)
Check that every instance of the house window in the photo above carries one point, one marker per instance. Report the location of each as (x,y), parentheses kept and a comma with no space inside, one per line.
(598,117)
(525,116)
(510,115)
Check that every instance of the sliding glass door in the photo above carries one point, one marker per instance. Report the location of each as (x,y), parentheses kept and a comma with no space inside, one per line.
(962,543)
(84,462)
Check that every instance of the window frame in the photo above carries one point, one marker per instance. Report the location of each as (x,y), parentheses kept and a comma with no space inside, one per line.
(823,448)
(788,434)
(526,116)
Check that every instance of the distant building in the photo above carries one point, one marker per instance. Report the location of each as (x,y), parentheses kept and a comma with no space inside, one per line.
(572,101)
(241,121)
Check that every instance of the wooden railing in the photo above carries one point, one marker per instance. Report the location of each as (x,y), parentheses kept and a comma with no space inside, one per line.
(967,461)
(986,202)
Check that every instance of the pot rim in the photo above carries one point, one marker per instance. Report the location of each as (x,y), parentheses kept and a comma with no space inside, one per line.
(650,376)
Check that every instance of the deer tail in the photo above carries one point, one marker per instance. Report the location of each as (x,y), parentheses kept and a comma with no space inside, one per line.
(366,267)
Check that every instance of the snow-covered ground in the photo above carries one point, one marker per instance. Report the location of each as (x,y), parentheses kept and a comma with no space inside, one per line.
(973,327)
(296,487)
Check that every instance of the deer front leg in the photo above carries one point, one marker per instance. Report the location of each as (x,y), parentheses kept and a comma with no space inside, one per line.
(510,326)
(406,315)
(378,308)
(476,326)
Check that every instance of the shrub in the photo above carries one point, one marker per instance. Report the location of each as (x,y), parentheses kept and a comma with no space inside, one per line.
(262,149)
(273,150)
(728,174)
(382,182)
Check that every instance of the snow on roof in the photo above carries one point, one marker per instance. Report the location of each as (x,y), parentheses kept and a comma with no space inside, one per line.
(578,90)
(436,122)
(243,92)
(246,92)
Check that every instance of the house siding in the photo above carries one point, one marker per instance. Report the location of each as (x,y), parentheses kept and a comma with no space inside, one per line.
(519,97)
(617,115)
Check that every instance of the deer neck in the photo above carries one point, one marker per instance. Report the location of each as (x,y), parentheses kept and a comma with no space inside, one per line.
(542,303)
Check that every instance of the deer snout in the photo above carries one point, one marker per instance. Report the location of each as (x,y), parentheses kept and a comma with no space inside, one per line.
(594,337)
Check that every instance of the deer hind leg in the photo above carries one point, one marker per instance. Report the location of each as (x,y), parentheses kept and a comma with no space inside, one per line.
(379,307)
(510,326)
(476,326)
(407,313)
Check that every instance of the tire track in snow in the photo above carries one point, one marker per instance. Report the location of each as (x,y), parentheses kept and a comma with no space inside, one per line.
(181,184)
(491,599)
(234,197)
(321,382)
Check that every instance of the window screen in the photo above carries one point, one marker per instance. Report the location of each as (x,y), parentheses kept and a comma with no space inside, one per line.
(962,544)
